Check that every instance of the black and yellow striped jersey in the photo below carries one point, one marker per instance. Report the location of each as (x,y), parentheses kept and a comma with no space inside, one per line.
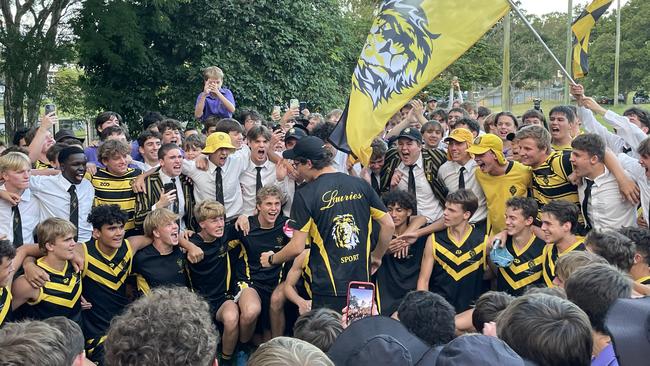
(116,190)
(60,296)
(550,258)
(525,269)
(258,241)
(337,211)
(6,315)
(103,281)
(154,269)
(551,180)
(459,267)
(212,276)
(42,165)
(397,276)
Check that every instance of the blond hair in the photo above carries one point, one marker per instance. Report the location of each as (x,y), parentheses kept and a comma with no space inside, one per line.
(14,161)
(285,351)
(571,261)
(51,229)
(268,191)
(208,209)
(212,72)
(157,218)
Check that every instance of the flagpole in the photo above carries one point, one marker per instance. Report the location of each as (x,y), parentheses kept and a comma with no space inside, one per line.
(505,80)
(539,38)
(617,56)
(569,42)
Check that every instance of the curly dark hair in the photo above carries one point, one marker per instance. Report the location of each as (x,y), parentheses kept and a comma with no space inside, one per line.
(404,199)
(7,250)
(107,215)
(429,316)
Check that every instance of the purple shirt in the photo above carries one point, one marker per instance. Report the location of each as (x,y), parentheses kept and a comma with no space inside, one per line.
(214,107)
(606,357)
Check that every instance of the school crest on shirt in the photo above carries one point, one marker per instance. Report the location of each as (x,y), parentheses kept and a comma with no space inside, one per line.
(345,232)
(513,190)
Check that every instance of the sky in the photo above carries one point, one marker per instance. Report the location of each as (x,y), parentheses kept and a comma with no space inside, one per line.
(540,7)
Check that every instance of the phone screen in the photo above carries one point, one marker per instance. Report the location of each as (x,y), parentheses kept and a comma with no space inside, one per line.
(168,187)
(361,297)
(49,108)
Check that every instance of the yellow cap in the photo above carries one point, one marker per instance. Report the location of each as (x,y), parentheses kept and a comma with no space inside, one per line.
(216,141)
(488,142)
(461,135)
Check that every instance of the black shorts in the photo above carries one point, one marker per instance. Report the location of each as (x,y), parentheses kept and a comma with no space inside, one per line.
(264,320)
(336,303)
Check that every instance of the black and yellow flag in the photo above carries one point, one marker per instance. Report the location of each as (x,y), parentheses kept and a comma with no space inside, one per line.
(410,43)
(581,29)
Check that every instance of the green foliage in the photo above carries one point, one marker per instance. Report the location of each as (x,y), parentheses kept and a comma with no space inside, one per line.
(67,94)
(31,39)
(142,56)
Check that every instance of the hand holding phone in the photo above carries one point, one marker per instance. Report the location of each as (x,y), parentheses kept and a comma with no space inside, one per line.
(361,299)
(50,108)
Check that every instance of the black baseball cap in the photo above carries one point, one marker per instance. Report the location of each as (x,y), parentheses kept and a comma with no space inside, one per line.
(478,349)
(377,341)
(411,133)
(432,99)
(295,133)
(64,134)
(308,147)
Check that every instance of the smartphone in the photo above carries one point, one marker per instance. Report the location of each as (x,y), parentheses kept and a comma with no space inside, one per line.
(302,105)
(277,108)
(49,108)
(361,298)
(294,103)
(168,187)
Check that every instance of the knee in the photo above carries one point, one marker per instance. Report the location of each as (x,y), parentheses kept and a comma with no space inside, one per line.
(230,318)
(250,311)
(277,300)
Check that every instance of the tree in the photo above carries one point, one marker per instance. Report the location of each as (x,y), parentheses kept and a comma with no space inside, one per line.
(31,39)
(635,50)
(66,92)
(140,56)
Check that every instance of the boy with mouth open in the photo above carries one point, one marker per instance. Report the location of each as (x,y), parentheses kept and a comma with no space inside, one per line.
(268,231)
(211,278)
(499,178)
(162,263)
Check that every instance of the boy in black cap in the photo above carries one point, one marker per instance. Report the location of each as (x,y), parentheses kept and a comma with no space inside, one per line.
(334,212)
(411,168)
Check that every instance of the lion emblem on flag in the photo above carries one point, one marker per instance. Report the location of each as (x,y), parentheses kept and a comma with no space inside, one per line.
(396,52)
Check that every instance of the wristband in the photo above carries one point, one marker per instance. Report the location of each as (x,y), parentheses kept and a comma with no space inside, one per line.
(271,260)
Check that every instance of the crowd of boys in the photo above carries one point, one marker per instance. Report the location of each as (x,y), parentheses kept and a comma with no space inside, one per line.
(265,222)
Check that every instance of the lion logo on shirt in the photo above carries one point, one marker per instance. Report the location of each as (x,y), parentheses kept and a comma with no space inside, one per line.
(345,232)
(396,52)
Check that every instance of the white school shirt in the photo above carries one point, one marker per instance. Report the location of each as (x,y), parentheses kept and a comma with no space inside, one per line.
(30,211)
(54,198)
(449,173)
(428,204)
(607,208)
(204,181)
